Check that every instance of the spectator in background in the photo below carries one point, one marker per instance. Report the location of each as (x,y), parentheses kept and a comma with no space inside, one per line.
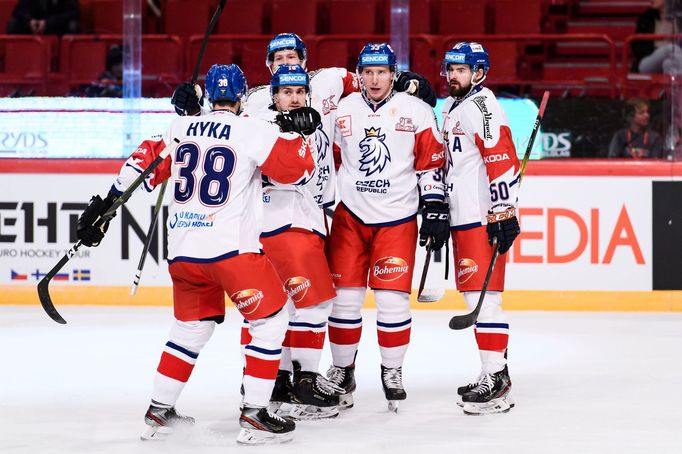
(110,83)
(637,140)
(657,56)
(45,17)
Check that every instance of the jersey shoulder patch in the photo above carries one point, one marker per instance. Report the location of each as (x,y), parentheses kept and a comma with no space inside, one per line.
(257,89)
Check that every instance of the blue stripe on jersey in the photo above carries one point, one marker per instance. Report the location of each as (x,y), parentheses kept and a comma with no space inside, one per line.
(516,180)
(276,231)
(381,224)
(493,325)
(113,190)
(263,350)
(466,226)
(182,350)
(394,325)
(433,197)
(320,234)
(182,258)
(328,204)
(344,321)
(307,325)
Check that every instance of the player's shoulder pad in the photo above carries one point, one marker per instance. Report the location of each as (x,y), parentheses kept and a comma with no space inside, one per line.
(312,74)
(257,89)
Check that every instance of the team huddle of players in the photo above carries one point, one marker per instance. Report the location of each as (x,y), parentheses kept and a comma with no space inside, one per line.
(253,171)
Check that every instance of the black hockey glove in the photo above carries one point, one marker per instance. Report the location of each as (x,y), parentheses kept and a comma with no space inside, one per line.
(186,100)
(86,232)
(435,225)
(422,89)
(303,120)
(505,227)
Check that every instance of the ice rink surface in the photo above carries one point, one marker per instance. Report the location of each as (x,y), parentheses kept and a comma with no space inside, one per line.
(582,382)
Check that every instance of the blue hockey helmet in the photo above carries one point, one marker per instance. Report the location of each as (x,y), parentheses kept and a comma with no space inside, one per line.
(225,83)
(464,53)
(376,55)
(285,41)
(289,75)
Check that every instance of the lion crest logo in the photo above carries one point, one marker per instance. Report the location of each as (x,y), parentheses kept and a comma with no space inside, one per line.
(374,151)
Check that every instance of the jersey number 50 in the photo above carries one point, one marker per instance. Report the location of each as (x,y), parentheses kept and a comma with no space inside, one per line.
(214,183)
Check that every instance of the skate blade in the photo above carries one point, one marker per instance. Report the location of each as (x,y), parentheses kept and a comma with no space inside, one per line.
(346,401)
(393,405)
(499,405)
(156,433)
(302,412)
(261,437)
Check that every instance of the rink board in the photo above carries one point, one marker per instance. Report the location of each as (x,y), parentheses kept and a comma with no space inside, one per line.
(587,242)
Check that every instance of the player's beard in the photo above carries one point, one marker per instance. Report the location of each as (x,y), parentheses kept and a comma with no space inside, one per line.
(457,91)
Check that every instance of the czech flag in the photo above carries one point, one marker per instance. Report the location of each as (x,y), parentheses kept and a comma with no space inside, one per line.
(19,277)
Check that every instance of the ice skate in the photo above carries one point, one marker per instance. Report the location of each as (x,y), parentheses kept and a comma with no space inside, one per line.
(261,427)
(392,381)
(161,422)
(465,389)
(344,378)
(491,395)
(282,394)
(314,396)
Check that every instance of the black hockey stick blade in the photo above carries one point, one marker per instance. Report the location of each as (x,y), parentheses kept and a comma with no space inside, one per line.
(44,286)
(464,321)
(425,271)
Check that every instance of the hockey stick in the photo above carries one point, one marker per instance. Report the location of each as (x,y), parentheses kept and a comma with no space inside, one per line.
(43,285)
(425,271)
(466,320)
(162,191)
(148,239)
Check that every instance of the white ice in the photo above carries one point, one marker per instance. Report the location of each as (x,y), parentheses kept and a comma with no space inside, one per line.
(583,383)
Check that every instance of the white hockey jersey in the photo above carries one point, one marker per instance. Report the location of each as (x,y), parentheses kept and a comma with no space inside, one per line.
(386,156)
(327,87)
(216,210)
(293,206)
(482,170)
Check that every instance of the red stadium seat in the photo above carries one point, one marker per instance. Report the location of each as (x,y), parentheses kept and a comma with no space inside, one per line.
(242,17)
(294,16)
(162,64)
(503,61)
(83,57)
(250,56)
(25,62)
(459,16)
(352,16)
(186,17)
(6,8)
(517,16)
(107,17)
(220,49)
(618,30)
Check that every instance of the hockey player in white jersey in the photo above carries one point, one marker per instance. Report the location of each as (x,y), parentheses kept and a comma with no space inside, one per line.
(213,247)
(389,149)
(482,180)
(294,240)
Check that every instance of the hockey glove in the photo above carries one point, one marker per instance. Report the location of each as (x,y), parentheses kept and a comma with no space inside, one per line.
(417,85)
(89,234)
(435,225)
(304,120)
(505,227)
(187,99)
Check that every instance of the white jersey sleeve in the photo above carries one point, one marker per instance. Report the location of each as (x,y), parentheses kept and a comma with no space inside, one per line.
(482,167)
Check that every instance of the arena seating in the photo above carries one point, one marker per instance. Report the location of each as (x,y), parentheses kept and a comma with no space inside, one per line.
(573,47)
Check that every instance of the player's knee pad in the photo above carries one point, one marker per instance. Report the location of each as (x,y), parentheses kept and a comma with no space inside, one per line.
(491,309)
(392,306)
(192,335)
(314,314)
(348,302)
(269,331)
